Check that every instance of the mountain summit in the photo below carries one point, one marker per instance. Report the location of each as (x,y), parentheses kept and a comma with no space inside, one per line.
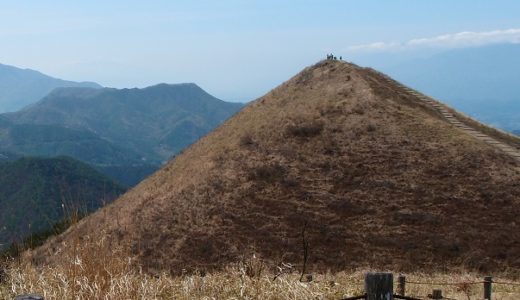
(371,175)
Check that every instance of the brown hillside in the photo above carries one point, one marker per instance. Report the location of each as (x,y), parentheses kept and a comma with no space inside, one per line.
(381,178)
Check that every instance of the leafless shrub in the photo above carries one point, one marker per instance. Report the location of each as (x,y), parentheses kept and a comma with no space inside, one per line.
(371,128)
(304,77)
(216,184)
(305,248)
(247,141)
(283,268)
(465,288)
(267,173)
(306,129)
(253,267)
(414,217)
(3,274)
(358,110)
(331,110)
(290,182)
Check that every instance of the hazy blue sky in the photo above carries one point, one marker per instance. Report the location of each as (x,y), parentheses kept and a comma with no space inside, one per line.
(234,49)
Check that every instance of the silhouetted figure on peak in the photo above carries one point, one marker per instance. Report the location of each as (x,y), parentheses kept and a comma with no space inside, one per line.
(331,57)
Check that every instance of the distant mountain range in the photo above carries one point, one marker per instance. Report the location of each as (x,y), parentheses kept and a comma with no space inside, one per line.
(35,193)
(481,81)
(127,134)
(22,87)
(154,122)
(118,136)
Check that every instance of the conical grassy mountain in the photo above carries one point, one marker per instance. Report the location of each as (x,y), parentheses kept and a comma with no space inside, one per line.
(371,175)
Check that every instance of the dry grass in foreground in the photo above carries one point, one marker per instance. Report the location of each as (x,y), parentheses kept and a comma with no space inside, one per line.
(117,279)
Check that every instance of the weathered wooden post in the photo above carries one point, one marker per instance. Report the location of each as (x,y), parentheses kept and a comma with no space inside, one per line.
(401,285)
(29,297)
(379,286)
(437,294)
(487,287)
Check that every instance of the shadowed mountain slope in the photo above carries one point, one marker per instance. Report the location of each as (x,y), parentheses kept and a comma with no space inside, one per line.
(121,164)
(379,176)
(35,193)
(53,140)
(21,87)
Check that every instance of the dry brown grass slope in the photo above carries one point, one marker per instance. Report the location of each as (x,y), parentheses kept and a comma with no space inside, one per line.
(381,179)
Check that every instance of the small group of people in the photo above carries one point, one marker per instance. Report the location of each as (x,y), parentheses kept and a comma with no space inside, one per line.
(332,57)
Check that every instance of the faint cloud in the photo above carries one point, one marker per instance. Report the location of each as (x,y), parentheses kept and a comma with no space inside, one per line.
(378,46)
(453,40)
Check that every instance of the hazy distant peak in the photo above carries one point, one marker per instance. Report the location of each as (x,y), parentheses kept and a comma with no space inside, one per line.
(183,84)
(91,84)
(22,87)
(75,91)
(28,71)
(175,86)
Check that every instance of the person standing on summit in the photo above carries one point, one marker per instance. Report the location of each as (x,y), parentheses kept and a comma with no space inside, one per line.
(331,57)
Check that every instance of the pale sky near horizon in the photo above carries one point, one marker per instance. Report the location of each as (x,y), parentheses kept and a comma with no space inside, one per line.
(235,49)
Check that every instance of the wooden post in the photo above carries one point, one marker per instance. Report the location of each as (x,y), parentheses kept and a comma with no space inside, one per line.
(379,286)
(401,286)
(29,297)
(437,294)
(487,287)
